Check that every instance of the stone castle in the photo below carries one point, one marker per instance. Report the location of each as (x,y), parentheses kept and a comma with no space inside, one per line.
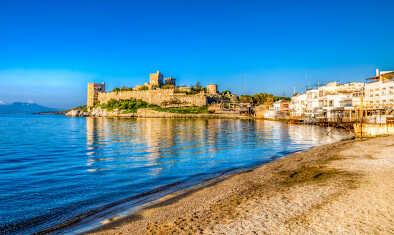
(158,92)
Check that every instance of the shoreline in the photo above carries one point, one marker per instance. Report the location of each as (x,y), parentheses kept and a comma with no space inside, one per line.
(84,223)
(150,113)
(289,192)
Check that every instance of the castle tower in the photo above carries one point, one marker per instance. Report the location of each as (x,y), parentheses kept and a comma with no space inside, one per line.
(212,89)
(156,79)
(170,81)
(93,90)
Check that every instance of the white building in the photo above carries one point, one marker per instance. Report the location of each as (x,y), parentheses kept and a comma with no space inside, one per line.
(329,101)
(336,101)
(379,98)
(379,92)
(278,110)
(298,105)
(312,103)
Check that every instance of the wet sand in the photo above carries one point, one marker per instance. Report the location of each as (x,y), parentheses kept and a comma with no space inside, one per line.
(341,188)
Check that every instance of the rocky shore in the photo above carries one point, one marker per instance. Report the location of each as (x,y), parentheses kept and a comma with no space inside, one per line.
(147,113)
(341,188)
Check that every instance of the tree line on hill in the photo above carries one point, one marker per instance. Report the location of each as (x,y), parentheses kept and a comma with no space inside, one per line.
(194,89)
(256,99)
(261,98)
(132,105)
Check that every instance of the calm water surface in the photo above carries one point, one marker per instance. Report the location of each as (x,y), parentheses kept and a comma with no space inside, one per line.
(54,169)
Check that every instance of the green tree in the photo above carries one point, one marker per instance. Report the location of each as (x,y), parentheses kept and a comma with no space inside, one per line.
(197,88)
(246,99)
(223,93)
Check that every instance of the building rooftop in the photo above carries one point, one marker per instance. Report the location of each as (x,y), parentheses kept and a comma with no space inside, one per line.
(381,75)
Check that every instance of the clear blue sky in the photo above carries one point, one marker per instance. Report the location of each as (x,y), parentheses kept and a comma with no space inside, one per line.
(49,50)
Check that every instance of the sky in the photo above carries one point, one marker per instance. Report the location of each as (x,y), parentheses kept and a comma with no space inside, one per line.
(50,50)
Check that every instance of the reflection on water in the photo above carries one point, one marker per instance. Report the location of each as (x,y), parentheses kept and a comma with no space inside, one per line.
(158,142)
(66,167)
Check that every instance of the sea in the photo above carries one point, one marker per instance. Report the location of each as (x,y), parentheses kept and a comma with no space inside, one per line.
(67,175)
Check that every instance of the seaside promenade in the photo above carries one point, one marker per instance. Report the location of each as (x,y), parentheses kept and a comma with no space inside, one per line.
(332,189)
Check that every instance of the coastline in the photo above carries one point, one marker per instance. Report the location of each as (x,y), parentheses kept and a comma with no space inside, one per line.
(150,113)
(302,192)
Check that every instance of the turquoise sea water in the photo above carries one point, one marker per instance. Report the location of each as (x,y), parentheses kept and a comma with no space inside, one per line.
(54,169)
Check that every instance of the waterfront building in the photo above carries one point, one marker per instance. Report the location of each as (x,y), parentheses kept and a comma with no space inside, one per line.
(331,101)
(281,106)
(297,106)
(278,110)
(312,102)
(379,90)
(379,98)
(335,98)
(347,102)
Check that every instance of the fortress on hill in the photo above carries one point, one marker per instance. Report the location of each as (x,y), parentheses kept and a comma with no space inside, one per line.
(157,91)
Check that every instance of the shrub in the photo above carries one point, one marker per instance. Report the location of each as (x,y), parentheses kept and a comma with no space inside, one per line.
(132,105)
(184,110)
(168,86)
(127,106)
(143,88)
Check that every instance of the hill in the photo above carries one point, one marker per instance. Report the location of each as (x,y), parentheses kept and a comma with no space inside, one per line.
(24,108)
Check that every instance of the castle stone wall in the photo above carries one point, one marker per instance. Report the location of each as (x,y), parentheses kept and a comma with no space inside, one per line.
(161,97)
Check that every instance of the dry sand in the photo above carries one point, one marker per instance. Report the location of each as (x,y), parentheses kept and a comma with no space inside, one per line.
(341,188)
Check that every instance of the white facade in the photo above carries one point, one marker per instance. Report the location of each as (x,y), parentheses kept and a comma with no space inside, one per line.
(325,101)
(344,101)
(276,106)
(298,105)
(312,102)
(379,94)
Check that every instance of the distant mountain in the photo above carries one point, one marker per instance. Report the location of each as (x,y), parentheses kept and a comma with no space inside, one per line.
(24,108)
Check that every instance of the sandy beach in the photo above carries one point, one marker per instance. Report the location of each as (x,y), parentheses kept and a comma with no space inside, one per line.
(340,188)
